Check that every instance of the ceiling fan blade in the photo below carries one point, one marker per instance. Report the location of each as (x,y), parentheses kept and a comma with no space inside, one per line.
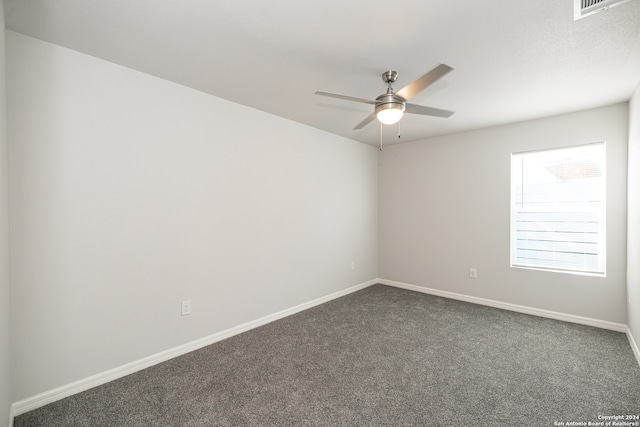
(348,98)
(412,89)
(426,111)
(371,117)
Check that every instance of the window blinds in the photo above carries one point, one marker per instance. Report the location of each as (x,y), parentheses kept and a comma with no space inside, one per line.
(558,209)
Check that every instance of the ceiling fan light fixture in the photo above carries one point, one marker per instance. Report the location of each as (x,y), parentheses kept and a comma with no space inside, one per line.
(389,108)
(390,116)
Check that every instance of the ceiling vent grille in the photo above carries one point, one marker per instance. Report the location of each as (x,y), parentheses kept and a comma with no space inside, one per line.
(582,8)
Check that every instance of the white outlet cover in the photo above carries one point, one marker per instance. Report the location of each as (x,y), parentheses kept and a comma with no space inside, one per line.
(186,307)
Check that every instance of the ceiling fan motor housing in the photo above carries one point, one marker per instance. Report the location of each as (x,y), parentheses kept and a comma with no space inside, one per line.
(389,101)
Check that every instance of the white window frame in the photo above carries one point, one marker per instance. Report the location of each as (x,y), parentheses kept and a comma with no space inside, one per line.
(599,210)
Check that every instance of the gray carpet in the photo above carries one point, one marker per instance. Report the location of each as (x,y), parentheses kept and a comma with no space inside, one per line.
(379,357)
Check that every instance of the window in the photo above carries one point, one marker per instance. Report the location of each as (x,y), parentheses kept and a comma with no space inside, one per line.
(558,209)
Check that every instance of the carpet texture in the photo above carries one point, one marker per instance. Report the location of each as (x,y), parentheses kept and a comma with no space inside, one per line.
(378,357)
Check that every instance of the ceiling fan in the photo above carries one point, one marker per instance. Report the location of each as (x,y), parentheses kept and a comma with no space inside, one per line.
(391,106)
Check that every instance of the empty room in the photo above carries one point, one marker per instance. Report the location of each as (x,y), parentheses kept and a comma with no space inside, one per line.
(340,213)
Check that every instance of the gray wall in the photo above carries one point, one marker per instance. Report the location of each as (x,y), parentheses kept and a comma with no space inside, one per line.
(131,194)
(633,220)
(5,398)
(444,207)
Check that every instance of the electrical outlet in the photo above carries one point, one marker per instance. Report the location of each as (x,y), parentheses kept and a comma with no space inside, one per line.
(186,307)
(353,265)
(473,272)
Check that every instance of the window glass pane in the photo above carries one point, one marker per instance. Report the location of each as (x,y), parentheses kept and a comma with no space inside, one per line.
(558,209)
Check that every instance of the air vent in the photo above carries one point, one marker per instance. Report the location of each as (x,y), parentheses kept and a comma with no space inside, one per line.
(582,8)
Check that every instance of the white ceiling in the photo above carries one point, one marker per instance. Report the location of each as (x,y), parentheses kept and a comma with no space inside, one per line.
(512,60)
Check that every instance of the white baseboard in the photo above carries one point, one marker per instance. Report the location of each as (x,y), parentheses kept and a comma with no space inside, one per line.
(634,345)
(619,327)
(34,402)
